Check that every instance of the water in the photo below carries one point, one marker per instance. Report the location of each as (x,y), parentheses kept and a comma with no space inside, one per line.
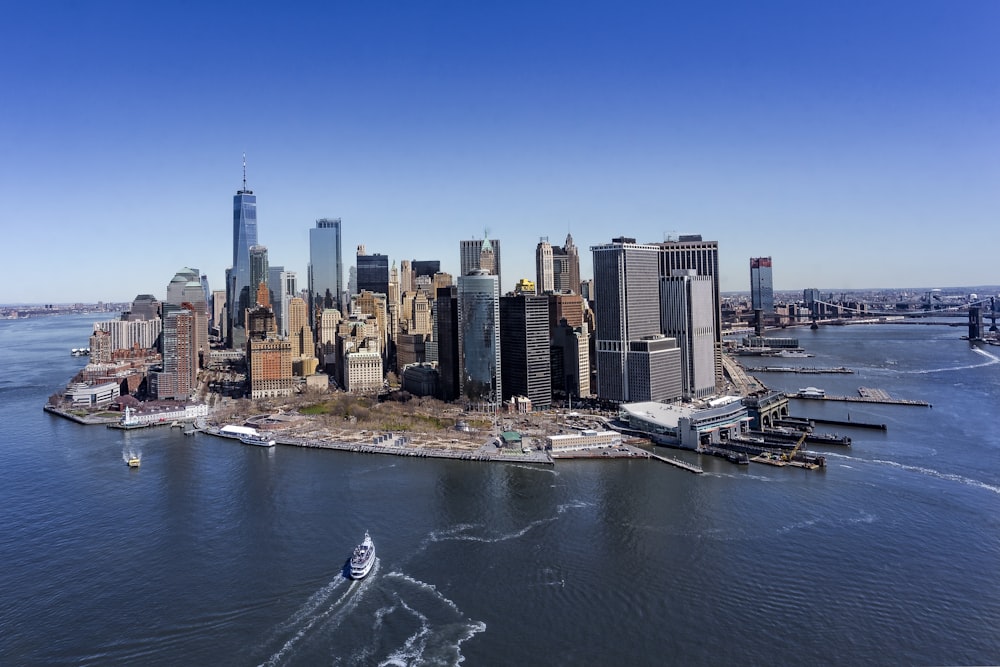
(218,553)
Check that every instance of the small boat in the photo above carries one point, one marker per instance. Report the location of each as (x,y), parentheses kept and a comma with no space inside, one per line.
(260,440)
(363,558)
(133,462)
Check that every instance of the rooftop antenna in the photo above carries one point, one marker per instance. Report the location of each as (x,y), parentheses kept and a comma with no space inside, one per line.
(244,171)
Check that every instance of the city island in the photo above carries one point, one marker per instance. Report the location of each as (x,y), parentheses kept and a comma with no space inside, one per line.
(412,361)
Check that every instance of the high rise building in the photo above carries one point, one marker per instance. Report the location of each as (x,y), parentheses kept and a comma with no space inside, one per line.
(261,323)
(544,281)
(570,360)
(471,256)
(218,305)
(687,314)
(446,336)
(269,361)
(186,288)
(425,267)
(283,286)
(259,271)
(632,354)
(298,328)
(567,307)
(406,276)
(373,272)
(326,270)
(479,338)
(126,334)
(566,267)
(375,307)
(144,307)
(690,252)
(761,286)
(524,349)
(180,357)
(329,321)
(239,291)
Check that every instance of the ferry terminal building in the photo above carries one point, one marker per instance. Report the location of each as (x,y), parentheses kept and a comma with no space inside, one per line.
(688,426)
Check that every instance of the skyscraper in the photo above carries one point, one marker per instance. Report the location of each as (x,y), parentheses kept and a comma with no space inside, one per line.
(691,252)
(244,237)
(544,282)
(761,287)
(566,267)
(425,267)
(373,272)
(687,314)
(258,271)
(471,255)
(446,336)
(180,357)
(283,286)
(524,349)
(186,288)
(326,269)
(479,337)
(634,359)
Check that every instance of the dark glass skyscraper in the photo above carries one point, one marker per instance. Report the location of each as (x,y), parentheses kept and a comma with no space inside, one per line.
(373,273)
(241,296)
(426,267)
(761,286)
(524,349)
(326,268)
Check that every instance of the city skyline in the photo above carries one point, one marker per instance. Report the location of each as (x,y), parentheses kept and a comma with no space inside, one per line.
(810,134)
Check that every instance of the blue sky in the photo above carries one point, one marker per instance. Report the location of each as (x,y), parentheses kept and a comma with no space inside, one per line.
(856,143)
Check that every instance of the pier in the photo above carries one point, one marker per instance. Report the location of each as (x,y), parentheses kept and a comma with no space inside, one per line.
(683,465)
(854,424)
(799,369)
(865,395)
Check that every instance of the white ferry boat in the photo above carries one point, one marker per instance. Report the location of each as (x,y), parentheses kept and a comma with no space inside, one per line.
(258,439)
(363,558)
(247,435)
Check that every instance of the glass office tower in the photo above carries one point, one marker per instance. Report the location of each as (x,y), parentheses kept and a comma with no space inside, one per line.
(479,337)
(761,287)
(326,272)
(244,237)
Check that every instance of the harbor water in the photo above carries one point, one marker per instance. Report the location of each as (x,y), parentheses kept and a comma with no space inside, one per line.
(213,552)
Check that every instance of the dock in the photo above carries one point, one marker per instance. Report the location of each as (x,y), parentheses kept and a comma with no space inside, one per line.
(799,369)
(683,465)
(854,424)
(865,395)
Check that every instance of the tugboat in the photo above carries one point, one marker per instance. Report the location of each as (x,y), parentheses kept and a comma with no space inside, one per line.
(363,558)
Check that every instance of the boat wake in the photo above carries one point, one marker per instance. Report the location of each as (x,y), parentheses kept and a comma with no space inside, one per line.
(731,475)
(324,610)
(993,359)
(438,627)
(863,517)
(466,532)
(546,469)
(930,472)
(947,476)
(388,620)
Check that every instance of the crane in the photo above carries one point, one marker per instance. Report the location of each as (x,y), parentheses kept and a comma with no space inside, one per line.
(788,456)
